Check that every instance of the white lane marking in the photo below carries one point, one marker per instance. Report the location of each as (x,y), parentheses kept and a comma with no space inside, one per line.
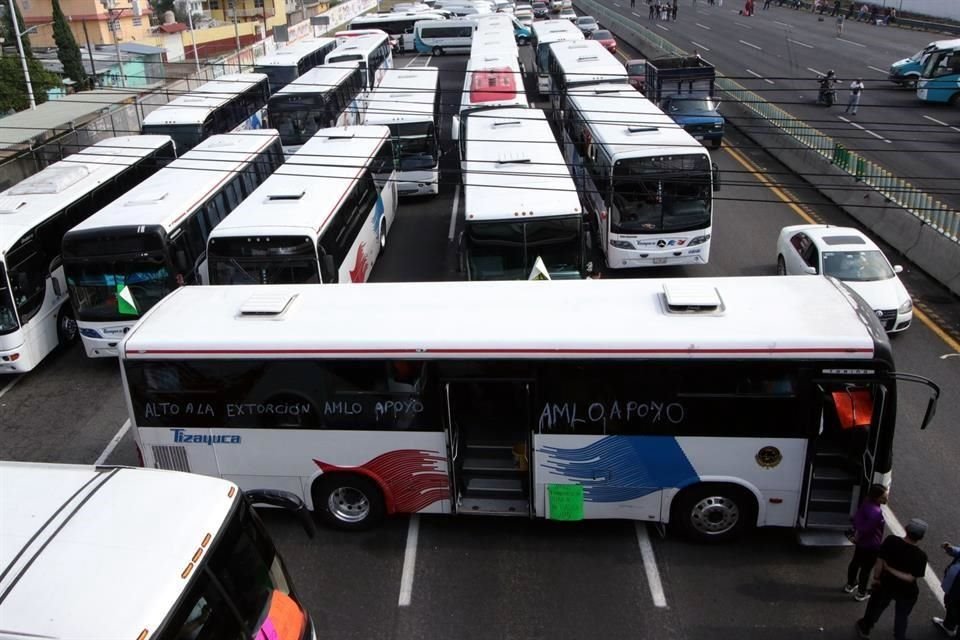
(819,73)
(929,576)
(412,60)
(877,70)
(11,384)
(757,75)
(453,213)
(409,561)
(745,26)
(783,24)
(636,14)
(699,46)
(750,44)
(857,44)
(927,117)
(864,129)
(660,26)
(650,566)
(113,442)
(429,58)
(703,26)
(617,4)
(802,44)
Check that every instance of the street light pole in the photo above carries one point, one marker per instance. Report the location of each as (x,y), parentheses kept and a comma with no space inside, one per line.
(23,58)
(93,67)
(236,31)
(193,38)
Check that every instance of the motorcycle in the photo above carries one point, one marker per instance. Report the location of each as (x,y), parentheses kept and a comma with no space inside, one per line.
(827,95)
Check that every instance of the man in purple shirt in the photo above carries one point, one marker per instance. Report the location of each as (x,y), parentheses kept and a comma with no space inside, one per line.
(868,524)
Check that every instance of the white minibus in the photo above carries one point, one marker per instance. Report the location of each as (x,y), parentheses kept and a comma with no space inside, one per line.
(449,36)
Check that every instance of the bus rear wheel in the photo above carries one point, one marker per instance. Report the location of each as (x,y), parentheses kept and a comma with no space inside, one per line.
(714,512)
(66,326)
(438,51)
(348,501)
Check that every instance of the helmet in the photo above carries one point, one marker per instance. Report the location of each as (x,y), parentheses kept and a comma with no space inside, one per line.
(831,73)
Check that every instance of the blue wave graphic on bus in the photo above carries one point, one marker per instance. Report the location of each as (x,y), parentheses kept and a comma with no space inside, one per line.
(620,468)
(378,212)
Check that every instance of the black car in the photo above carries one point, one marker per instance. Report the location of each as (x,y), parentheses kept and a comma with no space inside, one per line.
(540,10)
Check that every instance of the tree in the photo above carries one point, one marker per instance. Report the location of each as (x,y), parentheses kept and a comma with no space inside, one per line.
(9,33)
(67,49)
(13,90)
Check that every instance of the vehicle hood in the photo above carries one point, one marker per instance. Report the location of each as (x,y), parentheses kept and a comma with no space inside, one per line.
(881,294)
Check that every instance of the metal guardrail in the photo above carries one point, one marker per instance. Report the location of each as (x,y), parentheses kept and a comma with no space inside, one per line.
(931,211)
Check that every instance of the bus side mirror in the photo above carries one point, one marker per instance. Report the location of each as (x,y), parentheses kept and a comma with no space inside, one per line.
(286,501)
(455,128)
(929,413)
(716,177)
(181,258)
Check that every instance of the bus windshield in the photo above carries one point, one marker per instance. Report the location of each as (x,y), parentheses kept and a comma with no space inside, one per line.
(297,123)
(508,250)
(185,136)
(416,145)
(278,76)
(346,58)
(243,589)
(268,260)
(661,194)
(120,289)
(8,315)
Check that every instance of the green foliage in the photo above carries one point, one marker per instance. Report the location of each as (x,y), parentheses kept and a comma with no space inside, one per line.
(8,32)
(67,49)
(13,90)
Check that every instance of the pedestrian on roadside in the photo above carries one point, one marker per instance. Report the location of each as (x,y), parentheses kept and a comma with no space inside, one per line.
(836,9)
(950,622)
(633,4)
(867,536)
(853,101)
(674,11)
(653,8)
(862,14)
(850,10)
(899,564)
(840,20)
(873,15)
(766,4)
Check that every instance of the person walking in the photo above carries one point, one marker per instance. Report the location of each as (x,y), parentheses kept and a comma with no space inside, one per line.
(868,523)
(673,12)
(633,4)
(836,9)
(766,4)
(840,20)
(899,564)
(853,101)
(950,623)
(653,8)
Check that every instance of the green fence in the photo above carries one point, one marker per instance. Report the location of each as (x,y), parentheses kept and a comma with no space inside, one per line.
(922,205)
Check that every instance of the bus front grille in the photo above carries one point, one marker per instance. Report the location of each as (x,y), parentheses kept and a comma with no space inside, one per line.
(170,458)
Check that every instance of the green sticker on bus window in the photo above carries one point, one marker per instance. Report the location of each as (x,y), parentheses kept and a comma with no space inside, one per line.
(566,501)
(126,305)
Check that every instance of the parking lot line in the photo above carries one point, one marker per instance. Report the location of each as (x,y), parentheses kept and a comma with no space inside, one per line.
(650,566)
(11,384)
(113,442)
(409,561)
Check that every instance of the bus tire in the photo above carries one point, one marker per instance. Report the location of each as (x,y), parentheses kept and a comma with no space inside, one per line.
(383,236)
(954,100)
(348,501)
(438,51)
(713,513)
(781,266)
(67,330)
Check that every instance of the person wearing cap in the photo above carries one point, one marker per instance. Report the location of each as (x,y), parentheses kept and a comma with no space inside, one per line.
(899,564)
(950,623)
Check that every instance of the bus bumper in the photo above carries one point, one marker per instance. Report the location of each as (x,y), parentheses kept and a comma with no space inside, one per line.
(632,259)
(101,341)
(16,356)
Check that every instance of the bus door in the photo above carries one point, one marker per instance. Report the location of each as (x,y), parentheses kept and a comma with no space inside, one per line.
(488,440)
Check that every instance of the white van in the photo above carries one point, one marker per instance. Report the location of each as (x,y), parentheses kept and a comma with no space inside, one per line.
(444,36)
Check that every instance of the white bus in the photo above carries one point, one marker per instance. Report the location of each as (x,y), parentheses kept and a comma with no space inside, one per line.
(35,316)
(491,81)
(520,204)
(292,61)
(714,404)
(646,184)
(544,34)
(121,552)
(399,26)
(503,23)
(494,42)
(328,96)
(408,101)
(125,258)
(449,36)
(582,63)
(232,102)
(323,217)
(373,52)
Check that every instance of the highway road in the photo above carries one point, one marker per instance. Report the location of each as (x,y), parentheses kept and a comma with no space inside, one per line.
(779,53)
(476,578)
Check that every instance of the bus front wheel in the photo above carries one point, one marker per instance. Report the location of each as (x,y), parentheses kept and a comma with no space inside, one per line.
(348,501)
(437,51)
(714,512)
(66,326)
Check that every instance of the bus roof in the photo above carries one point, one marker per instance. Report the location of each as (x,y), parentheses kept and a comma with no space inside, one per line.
(628,125)
(32,200)
(195,106)
(99,553)
(586,61)
(319,80)
(789,317)
(404,95)
(300,196)
(378,18)
(494,42)
(361,46)
(173,192)
(549,31)
(514,169)
(293,52)
(491,80)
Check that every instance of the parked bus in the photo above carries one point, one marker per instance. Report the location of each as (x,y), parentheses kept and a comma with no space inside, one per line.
(372,51)
(232,102)
(35,316)
(575,64)
(646,184)
(408,101)
(323,217)
(491,81)
(940,80)
(449,36)
(292,61)
(714,404)
(544,34)
(125,258)
(328,96)
(520,204)
(503,22)
(399,26)
(121,552)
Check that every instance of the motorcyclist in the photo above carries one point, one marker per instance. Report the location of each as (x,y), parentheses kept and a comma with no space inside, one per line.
(827,91)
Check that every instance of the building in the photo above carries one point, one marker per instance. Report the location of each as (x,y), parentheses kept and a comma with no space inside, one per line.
(268,13)
(90,21)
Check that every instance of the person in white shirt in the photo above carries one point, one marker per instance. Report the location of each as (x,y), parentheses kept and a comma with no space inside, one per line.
(856,89)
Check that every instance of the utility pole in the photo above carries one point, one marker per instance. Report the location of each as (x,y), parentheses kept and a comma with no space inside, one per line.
(236,29)
(93,67)
(23,58)
(113,22)
(193,38)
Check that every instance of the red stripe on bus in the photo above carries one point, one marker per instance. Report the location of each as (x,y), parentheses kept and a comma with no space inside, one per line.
(136,352)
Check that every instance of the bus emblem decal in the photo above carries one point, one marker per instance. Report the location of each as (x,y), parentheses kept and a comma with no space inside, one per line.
(181,437)
(769,457)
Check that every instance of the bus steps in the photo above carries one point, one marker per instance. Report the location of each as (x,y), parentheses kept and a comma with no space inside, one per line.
(494,507)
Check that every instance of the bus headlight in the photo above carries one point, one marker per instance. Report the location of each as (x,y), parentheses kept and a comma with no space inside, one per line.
(718,125)
(621,244)
(90,333)
(698,240)
(906,307)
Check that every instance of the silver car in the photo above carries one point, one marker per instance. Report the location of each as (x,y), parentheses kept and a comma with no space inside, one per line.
(587,24)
